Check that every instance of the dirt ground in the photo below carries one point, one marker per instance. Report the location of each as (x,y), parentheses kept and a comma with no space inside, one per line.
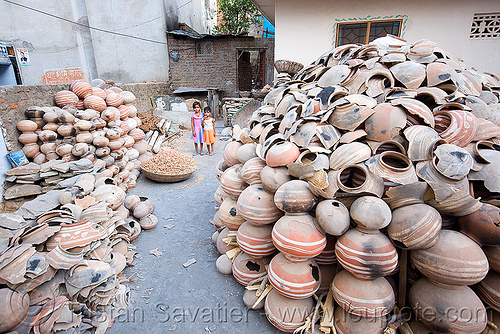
(166,296)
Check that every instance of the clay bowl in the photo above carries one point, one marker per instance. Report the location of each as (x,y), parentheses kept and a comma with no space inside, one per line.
(257,206)
(365,298)
(439,308)
(247,269)
(296,280)
(454,259)
(415,226)
(366,254)
(275,306)
(297,237)
(256,241)
(294,197)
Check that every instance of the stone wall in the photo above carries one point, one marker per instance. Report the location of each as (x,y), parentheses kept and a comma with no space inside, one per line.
(219,70)
(14,100)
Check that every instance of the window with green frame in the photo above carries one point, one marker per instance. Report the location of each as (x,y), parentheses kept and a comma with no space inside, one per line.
(363,32)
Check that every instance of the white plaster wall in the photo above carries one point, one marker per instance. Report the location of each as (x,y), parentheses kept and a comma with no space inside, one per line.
(50,42)
(125,59)
(304,29)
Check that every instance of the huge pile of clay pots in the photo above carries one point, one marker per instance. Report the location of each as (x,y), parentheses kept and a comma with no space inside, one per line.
(62,255)
(92,123)
(372,155)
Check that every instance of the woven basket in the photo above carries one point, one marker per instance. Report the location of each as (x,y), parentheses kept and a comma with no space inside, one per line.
(287,66)
(166,178)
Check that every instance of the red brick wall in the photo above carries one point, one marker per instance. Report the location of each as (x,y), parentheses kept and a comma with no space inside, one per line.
(220,70)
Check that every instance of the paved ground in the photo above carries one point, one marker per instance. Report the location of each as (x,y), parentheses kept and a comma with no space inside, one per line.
(166,297)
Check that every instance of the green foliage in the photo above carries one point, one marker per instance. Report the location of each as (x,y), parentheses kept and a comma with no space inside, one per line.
(237,16)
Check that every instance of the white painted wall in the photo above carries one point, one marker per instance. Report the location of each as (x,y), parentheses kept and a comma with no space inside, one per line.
(200,15)
(304,29)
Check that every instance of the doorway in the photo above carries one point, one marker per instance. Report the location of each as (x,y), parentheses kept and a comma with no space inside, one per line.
(251,69)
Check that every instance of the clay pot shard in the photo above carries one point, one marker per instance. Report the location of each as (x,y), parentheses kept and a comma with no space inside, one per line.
(489,173)
(452,161)
(410,74)
(416,108)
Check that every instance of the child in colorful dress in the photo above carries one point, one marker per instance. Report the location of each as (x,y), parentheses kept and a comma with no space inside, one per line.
(209,130)
(197,128)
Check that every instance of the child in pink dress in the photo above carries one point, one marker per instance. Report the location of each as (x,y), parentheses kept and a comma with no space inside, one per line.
(197,128)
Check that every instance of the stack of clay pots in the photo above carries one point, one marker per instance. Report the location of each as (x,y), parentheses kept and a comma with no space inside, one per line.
(88,122)
(368,154)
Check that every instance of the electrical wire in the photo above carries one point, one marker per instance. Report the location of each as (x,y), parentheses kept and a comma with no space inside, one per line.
(94,28)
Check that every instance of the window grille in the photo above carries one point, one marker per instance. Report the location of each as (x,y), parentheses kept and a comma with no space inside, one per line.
(204,49)
(485,26)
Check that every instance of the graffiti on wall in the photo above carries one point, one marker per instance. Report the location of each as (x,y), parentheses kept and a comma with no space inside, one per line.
(63,75)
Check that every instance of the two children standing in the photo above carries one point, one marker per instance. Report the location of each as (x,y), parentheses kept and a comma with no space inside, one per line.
(203,128)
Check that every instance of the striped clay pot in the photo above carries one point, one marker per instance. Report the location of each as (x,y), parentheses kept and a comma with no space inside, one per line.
(98,92)
(327,256)
(287,314)
(365,298)
(489,290)
(247,269)
(124,112)
(250,172)
(66,98)
(137,134)
(296,280)
(256,241)
(230,153)
(415,226)
(457,127)
(294,197)
(231,181)
(114,100)
(94,102)
(366,254)
(256,205)
(297,237)
(455,259)
(128,97)
(81,88)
